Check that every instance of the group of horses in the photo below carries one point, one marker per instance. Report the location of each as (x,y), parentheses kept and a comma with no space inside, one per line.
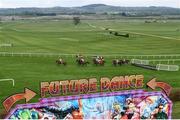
(97,60)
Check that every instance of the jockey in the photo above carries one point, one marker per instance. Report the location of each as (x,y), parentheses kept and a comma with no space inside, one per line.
(82,59)
(60,60)
(117,60)
(98,58)
(102,58)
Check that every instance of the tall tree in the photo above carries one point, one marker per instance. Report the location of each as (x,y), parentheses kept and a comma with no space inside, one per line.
(76,20)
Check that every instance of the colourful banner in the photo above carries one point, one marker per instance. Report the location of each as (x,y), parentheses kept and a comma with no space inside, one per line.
(136,104)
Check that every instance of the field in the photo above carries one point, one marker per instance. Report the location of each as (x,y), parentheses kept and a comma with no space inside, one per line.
(43,42)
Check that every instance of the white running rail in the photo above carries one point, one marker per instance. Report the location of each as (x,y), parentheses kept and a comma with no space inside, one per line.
(4,80)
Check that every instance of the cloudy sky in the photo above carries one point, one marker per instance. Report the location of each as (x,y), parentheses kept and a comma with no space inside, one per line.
(70,3)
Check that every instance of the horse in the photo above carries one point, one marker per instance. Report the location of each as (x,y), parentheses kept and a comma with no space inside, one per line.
(126,61)
(99,61)
(61,62)
(116,62)
(82,62)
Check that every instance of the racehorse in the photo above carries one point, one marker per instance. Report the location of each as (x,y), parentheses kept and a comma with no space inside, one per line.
(116,62)
(61,62)
(98,60)
(82,62)
(126,61)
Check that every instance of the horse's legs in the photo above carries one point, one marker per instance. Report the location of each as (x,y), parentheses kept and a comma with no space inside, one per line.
(102,63)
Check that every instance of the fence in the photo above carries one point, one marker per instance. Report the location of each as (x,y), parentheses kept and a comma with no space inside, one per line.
(167,67)
(142,62)
(171,58)
(12,80)
(6,45)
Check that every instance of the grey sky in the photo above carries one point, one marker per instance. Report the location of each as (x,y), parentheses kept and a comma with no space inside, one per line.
(70,3)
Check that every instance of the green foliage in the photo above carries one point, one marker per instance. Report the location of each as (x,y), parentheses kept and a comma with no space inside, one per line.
(76,20)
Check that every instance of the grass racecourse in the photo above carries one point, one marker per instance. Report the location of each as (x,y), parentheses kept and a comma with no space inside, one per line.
(88,38)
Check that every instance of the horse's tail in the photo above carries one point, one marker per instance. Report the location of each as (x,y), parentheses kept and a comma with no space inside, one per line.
(114,62)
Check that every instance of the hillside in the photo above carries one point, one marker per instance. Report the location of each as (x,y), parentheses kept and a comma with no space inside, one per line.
(92,9)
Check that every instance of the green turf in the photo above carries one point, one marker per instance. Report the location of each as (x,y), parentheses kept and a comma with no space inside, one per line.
(64,37)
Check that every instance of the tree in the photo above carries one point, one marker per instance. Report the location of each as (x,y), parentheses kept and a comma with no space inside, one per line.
(12,18)
(76,20)
(124,14)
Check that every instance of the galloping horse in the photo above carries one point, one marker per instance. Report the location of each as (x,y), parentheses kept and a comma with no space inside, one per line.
(81,61)
(98,60)
(126,61)
(61,62)
(116,62)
